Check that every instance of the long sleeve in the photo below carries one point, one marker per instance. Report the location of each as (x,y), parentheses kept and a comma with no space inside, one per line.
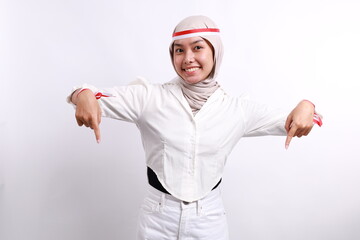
(123,102)
(261,120)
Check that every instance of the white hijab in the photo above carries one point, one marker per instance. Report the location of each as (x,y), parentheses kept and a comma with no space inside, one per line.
(198,93)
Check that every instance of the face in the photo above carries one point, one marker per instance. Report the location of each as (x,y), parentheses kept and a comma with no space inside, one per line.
(193,59)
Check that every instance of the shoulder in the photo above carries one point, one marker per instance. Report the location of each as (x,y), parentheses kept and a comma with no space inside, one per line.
(174,83)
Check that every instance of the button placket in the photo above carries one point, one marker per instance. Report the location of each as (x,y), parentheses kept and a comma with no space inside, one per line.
(192,155)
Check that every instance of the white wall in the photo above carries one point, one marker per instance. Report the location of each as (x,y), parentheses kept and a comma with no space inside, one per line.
(57,183)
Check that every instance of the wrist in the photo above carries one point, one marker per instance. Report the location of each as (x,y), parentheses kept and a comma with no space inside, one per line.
(317,118)
(82,90)
(75,95)
(308,101)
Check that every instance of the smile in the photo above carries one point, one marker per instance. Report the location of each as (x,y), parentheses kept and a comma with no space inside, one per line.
(191,69)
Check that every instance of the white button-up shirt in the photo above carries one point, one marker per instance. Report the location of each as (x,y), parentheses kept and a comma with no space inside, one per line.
(188,153)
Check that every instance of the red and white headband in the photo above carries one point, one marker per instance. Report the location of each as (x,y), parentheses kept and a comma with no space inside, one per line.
(195,33)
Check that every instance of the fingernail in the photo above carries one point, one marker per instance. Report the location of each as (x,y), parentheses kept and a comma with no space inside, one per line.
(98,141)
(286,146)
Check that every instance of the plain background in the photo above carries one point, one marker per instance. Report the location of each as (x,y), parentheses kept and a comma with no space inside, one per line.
(56,183)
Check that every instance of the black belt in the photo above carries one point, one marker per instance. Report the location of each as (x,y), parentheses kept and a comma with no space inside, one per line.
(154,181)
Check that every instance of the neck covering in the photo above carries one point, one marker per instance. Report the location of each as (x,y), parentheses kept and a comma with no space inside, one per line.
(202,26)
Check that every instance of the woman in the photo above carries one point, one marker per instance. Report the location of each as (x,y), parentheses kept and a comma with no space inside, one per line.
(188,127)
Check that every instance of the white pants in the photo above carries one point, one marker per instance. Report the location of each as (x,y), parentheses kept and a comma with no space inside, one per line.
(163,217)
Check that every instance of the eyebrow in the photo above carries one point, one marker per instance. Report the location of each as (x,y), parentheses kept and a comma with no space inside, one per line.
(180,45)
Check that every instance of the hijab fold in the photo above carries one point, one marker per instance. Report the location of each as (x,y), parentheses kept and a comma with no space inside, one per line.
(197,94)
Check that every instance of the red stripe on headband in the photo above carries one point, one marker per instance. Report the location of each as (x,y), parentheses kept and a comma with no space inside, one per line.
(196,31)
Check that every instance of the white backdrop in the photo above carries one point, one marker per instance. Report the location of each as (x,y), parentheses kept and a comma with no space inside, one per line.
(56,183)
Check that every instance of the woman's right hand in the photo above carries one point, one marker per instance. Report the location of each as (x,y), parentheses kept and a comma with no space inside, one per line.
(88,111)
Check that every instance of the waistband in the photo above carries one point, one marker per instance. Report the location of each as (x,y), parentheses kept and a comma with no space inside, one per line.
(169,200)
(155,183)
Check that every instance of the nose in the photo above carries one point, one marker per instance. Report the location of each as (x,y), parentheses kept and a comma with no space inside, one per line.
(189,57)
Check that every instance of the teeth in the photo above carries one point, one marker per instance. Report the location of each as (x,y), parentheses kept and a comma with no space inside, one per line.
(191,69)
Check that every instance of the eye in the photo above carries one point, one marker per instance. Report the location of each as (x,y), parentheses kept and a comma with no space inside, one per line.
(179,50)
(198,47)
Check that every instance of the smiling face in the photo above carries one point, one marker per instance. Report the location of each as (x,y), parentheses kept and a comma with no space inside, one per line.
(193,59)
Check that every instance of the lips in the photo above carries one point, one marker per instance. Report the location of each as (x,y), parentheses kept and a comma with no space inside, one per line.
(190,70)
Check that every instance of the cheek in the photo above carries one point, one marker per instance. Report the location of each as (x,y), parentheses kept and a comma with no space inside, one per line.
(207,60)
(177,63)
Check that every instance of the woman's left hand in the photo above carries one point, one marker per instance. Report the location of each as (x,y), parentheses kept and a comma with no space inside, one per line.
(300,121)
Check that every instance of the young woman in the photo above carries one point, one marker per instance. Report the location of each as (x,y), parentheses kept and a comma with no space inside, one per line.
(188,127)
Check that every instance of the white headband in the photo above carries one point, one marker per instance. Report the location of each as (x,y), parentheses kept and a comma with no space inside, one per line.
(195,32)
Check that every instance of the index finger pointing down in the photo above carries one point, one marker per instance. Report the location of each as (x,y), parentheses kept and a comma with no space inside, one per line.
(290,135)
(97,132)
